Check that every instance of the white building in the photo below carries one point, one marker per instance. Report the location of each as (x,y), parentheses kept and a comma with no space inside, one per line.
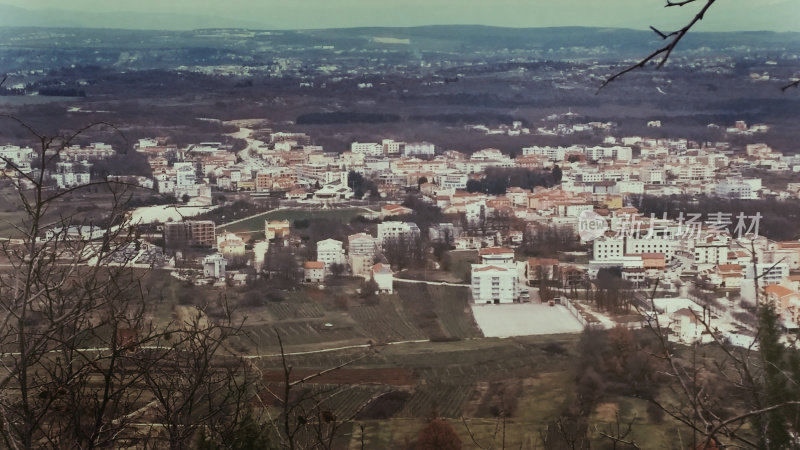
(711,250)
(313,271)
(185,176)
(614,248)
(392,230)
(260,249)
(329,252)
(214,266)
(361,244)
(652,175)
(477,212)
(738,188)
(418,149)
(367,148)
(494,283)
(768,273)
(382,275)
(16,155)
(452,180)
(392,147)
(608,248)
(496,256)
(69,175)
(655,244)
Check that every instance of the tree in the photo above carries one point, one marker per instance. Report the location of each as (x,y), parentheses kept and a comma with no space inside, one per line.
(361,185)
(438,434)
(248,433)
(337,269)
(81,348)
(557,174)
(307,420)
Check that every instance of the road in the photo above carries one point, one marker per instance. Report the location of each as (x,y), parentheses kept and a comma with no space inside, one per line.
(272,355)
(434,283)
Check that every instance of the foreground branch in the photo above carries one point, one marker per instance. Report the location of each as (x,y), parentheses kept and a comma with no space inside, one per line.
(674,37)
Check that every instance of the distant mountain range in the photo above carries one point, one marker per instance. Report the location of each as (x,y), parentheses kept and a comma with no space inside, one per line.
(12,16)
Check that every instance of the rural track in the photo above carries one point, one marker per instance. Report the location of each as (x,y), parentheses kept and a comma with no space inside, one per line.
(435,283)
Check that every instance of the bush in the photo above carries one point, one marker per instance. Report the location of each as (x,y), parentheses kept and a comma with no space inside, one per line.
(554,348)
(253,299)
(385,406)
(276,295)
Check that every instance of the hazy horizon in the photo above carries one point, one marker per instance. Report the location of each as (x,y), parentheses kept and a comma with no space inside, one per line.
(731,15)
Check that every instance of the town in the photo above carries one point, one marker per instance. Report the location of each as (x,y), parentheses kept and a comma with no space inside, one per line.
(697,264)
(445,236)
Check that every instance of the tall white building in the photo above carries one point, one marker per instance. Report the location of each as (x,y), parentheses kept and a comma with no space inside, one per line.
(395,230)
(418,149)
(711,250)
(652,175)
(494,283)
(392,147)
(330,251)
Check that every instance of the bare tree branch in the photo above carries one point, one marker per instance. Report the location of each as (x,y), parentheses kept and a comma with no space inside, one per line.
(667,49)
(793,84)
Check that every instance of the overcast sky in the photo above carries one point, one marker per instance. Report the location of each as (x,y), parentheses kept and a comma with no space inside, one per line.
(725,15)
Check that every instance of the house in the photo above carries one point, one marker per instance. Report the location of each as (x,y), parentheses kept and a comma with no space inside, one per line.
(230,245)
(329,252)
(394,210)
(687,326)
(276,229)
(237,279)
(542,269)
(786,303)
(382,275)
(297,194)
(314,271)
(572,276)
(214,266)
(494,284)
(730,276)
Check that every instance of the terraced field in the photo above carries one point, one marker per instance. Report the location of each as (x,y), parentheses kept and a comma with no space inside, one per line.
(295,310)
(386,322)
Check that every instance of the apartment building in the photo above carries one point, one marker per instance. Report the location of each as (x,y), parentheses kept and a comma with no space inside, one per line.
(395,230)
(494,284)
(329,252)
(192,233)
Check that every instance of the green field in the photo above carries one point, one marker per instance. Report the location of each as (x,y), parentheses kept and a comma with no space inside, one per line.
(256,223)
